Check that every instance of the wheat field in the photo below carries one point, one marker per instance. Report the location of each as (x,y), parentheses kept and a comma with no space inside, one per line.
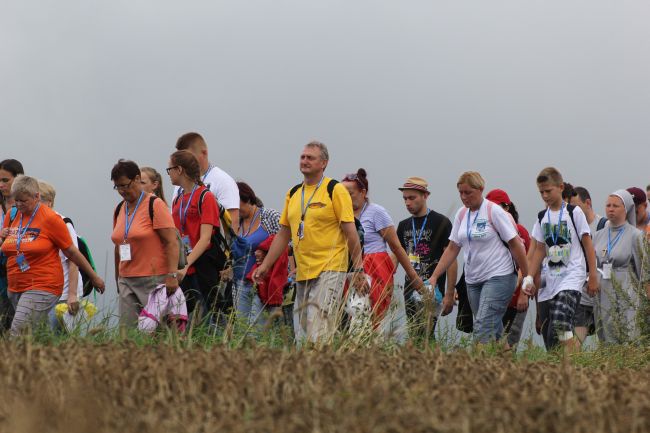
(124,387)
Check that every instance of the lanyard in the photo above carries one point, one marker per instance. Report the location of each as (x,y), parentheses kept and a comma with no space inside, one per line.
(610,244)
(363,209)
(303,209)
(417,236)
(241,227)
(555,234)
(182,213)
(128,223)
(469,226)
(210,167)
(22,230)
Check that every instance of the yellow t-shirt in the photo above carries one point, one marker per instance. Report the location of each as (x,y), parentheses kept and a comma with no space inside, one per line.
(323,246)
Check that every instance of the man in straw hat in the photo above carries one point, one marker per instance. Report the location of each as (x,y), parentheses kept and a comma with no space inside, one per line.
(424,236)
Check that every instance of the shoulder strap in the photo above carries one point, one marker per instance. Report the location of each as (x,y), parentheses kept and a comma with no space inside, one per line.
(68,221)
(540,216)
(570,208)
(203,193)
(152,199)
(330,187)
(461,216)
(601,224)
(117,210)
(294,189)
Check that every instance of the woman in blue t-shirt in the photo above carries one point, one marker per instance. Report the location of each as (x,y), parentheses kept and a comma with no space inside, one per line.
(256,224)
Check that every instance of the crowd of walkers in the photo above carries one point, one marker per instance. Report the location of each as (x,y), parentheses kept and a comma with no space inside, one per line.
(212,251)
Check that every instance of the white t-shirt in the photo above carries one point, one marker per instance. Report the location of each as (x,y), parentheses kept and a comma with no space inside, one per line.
(485,256)
(566,261)
(64,264)
(222,186)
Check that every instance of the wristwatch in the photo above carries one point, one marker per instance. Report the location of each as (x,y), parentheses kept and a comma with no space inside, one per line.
(173,274)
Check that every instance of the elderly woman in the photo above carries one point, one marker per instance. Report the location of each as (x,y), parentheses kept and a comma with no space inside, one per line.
(146,245)
(619,255)
(488,236)
(9,169)
(32,243)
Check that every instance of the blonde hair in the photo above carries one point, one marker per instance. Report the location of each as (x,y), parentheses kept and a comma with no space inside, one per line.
(473,179)
(154,176)
(48,193)
(550,174)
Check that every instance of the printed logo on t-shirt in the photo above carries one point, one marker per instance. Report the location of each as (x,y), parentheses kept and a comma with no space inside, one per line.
(480,229)
(30,235)
(558,248)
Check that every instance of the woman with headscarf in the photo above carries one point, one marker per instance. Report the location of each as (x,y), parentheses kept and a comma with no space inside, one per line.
(619,255)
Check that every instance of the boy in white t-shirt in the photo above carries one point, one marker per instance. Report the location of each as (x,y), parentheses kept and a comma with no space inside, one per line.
(562,236)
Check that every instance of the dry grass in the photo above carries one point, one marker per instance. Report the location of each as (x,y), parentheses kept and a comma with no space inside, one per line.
(122,387)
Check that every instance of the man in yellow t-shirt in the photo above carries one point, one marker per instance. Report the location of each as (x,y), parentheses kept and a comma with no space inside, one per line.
(319,219)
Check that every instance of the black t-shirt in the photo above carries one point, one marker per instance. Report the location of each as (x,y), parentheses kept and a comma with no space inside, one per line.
(432,239)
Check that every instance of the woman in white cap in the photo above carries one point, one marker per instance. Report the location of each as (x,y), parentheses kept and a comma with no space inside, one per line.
(619,255)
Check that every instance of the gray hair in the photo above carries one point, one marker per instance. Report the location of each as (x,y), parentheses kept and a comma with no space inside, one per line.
(324,154)
(25,185)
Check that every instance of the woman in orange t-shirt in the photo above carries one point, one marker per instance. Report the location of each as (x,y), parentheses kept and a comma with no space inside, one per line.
(146,246)
(32,242)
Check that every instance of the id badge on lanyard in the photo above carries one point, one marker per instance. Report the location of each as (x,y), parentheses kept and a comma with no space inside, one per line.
(607,271)
(22,263)
(186,244)
(125,252)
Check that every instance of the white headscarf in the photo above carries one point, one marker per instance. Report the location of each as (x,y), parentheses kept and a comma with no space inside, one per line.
(628,202)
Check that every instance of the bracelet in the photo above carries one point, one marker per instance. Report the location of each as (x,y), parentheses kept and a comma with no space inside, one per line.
(356,270)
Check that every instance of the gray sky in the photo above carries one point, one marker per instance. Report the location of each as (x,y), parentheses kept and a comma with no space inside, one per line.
(426,88)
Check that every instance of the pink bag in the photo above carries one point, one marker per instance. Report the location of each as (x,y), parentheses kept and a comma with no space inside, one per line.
(160,307)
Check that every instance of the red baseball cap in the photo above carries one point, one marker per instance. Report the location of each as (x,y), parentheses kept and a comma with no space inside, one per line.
(638,195)
(498,196)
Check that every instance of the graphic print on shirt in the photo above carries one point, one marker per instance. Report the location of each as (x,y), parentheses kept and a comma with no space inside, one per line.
(423,251)
(30,235)
(480,228)
(558,242)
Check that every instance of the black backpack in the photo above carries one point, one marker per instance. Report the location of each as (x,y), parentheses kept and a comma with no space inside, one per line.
(330,190)
(84,249)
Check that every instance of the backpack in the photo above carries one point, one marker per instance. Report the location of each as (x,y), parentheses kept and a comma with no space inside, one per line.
(330,190)
(570,208)
(601,224)
(463,212)
(182,254)
(84,249)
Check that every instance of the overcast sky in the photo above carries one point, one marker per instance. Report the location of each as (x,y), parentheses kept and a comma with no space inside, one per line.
(402,88)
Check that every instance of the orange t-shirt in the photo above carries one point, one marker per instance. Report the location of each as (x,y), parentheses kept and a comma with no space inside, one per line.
(148,256)
(46,235)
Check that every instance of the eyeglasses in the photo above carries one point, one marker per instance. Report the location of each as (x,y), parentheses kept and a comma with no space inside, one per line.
(125,186)
(171,168)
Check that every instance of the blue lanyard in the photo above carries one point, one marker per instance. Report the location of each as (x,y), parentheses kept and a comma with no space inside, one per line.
(182,213)
(304,209)
(241,227)
(22,230)
(127,225)
(417,236)
(555,234)
(469,226)
(210,167)
(610,244)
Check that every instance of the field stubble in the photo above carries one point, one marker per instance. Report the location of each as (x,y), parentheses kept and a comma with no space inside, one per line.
(80,387)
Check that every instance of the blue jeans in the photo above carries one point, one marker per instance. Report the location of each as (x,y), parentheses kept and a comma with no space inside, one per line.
(489,301)
(243,300)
